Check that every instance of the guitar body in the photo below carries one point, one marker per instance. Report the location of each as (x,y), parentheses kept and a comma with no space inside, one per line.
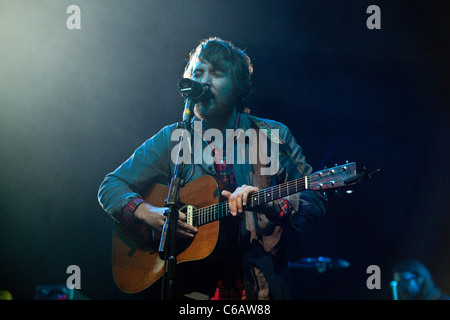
(136,262)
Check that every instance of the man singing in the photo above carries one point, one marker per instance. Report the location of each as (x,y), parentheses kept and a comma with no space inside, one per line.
(250,259)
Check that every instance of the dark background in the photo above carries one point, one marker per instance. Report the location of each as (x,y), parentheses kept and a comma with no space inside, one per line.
(75,103)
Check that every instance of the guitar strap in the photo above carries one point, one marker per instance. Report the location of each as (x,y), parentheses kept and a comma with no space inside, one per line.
(283,151)
(272,135)
(262,125)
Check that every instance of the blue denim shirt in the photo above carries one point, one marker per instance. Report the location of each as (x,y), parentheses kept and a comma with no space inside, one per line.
(153,162)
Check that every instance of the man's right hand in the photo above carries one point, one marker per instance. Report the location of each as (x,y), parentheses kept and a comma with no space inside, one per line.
(155,218)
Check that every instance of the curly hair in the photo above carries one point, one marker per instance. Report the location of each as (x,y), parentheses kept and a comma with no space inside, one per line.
(224,55)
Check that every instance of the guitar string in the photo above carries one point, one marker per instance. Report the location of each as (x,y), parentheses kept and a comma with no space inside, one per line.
(204,215)
(211,213)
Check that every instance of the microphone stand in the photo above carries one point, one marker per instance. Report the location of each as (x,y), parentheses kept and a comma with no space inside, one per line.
(167,247)
(193,92)
(394,289)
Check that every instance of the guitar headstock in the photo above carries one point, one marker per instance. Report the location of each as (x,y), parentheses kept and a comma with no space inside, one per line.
(332,178)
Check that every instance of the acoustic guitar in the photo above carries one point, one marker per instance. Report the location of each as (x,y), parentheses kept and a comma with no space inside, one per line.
(136,261)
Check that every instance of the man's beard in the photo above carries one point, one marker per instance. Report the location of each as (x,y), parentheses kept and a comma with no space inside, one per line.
(209,110)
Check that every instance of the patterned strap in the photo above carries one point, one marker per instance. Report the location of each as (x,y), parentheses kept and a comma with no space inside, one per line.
(275,138)
(262,125)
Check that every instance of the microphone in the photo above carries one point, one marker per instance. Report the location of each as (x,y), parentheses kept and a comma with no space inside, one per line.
(193,92)
(394,285)
(320,263)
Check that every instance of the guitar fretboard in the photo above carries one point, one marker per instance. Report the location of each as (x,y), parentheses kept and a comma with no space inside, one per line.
(218,211)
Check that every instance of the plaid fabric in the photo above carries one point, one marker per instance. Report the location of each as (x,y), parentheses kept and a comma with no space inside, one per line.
(128,211)
(285,207)
(236,291)
(225,172)
(230,292)
(233,290)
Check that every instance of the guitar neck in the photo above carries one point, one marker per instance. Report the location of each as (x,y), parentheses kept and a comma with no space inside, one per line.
(276,192)
(336,177)
(218,211)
